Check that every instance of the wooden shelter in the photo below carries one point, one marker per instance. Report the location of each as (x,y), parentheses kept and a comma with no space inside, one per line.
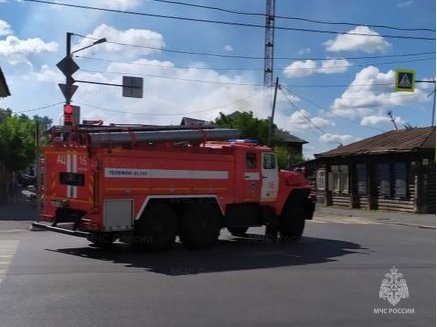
(391,171)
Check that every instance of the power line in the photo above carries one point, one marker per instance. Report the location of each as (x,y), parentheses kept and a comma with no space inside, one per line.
(255,57)
(228,23)
(40,108)
(174,78)
(174,114)
(233,83)
(339,116)
(337,85)
(256,69)
(308,20)
(296,108)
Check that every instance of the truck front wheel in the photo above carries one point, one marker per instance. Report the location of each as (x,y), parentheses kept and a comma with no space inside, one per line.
(156,229)
(200,226)
(292,221)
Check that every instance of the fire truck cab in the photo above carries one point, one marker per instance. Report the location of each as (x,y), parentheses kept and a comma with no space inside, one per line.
(147,186)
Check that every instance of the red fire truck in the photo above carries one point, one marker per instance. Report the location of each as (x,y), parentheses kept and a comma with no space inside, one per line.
(146,185)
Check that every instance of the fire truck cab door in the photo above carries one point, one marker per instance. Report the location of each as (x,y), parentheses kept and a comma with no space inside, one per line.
(252,178)
(270,177)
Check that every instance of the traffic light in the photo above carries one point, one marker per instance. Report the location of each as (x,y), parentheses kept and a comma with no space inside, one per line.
(71,114)
(68,114)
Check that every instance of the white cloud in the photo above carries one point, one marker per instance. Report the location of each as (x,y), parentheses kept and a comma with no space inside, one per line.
(334,66)
(301,68)
(303,51)
(370,43)
(120,4)
(148,42)
(110,4)
(380,119)
(302,120)
(5,28)
(405,4)
(338,138)
(228,48)
(169,94)
(310,67)
(13,50)
(371,91)
(47,74)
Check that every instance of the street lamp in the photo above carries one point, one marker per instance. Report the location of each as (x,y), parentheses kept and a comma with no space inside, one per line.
(102,40)
(69,67)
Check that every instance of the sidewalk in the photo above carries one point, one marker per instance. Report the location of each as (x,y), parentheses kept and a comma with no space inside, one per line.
(376,216)
(17,217)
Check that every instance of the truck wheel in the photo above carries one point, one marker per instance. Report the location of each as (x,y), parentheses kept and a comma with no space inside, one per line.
(238,231)
(156,229)
(292,222)
(102,239)
(200,226)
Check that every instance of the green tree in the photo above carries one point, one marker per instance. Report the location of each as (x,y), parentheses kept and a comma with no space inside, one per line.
(249,126)
(45,122)
(287,159)
(17,147)
(255,128)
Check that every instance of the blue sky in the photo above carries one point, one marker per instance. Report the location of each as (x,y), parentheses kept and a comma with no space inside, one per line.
(327,97)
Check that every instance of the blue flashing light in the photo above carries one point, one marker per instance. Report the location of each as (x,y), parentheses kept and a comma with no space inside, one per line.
(244,141)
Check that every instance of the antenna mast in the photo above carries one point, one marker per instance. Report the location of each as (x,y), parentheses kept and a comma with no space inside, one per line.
(269,43)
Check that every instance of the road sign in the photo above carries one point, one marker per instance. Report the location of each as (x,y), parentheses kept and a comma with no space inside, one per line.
(68,90)
(132,87)
(405,80)
(67,66)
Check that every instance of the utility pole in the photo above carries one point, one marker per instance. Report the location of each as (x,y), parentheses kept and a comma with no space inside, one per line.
(272,117)
(433,107)
(390,113)
(38,165)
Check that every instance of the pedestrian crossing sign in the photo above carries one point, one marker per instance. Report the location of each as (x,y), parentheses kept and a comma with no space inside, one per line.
(405,80)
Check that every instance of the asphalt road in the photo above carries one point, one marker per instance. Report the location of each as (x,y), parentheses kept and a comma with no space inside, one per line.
(331,278)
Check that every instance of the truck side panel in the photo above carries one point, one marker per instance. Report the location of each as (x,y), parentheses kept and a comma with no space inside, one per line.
(146,174)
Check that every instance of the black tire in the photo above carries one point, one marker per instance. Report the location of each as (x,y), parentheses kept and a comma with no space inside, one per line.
(200,226)
(292,221)
(156,229)
(102,239)
(238,231)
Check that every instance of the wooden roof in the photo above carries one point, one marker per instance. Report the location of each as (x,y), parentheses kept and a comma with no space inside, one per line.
(4,90)
(289,138)
(396,141)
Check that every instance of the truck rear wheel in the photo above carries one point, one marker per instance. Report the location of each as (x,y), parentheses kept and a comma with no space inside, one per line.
(102,239)
(238,231)
(292,221)
(156,229)
(200,226)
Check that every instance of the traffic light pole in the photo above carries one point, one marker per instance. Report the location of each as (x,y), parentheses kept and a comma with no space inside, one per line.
(68,78)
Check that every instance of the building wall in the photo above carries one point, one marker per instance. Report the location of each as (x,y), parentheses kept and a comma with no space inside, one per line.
(393,182)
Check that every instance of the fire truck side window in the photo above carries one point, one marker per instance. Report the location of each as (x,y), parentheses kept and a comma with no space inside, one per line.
(72,179)
(269,161)
(250,160)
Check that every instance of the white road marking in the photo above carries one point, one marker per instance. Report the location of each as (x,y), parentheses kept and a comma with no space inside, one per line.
(7,252)
(344,220)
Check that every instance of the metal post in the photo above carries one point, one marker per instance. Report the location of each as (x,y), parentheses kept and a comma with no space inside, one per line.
(38,166)
(269,140)
(68,79)
(433,108)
